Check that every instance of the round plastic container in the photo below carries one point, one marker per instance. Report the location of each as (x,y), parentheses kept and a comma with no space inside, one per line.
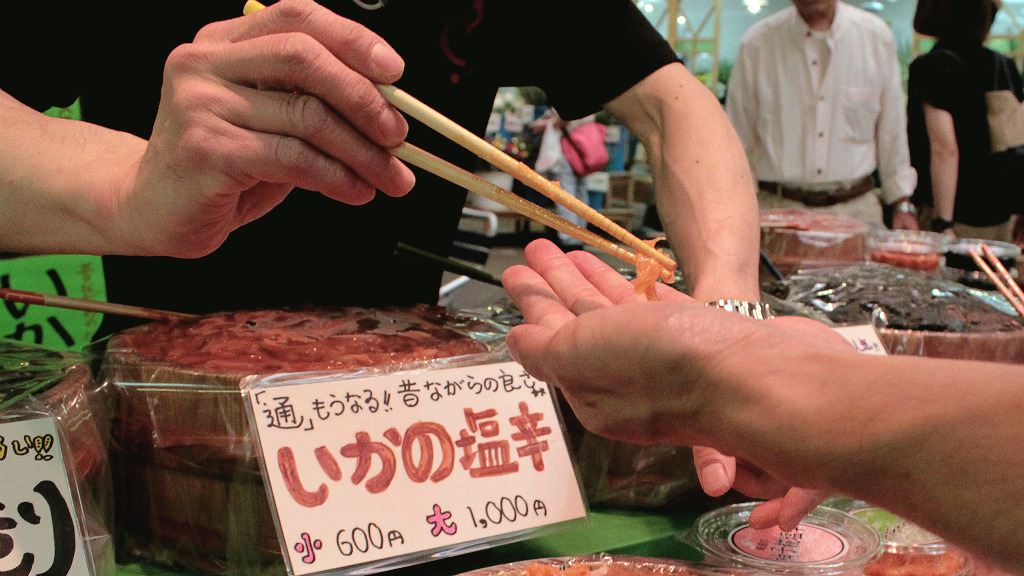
(916,250)
(826,542)
(962,267)
(906,547)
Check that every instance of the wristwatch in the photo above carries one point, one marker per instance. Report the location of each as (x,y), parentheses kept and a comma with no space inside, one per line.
(941,224)
(755,310)
(905,206)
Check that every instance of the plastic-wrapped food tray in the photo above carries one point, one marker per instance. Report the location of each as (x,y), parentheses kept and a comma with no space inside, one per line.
(37,380)
(802,239)
(191,494)
(913,249)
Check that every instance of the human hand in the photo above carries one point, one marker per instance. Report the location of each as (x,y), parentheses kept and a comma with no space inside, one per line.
(258,105)
(904,221)
(588,333)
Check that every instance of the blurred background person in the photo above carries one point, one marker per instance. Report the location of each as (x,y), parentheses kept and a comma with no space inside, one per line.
(962,189)
(817,99)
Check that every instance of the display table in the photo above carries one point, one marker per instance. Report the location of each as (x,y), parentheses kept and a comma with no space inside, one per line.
(617,532)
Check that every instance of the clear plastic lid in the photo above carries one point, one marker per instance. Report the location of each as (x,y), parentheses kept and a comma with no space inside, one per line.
(914,249)
(827,541)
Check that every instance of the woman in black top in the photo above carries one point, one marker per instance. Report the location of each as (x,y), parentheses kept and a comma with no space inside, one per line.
(958,177)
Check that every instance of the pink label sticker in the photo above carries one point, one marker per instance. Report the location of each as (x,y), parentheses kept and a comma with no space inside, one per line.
(803,544)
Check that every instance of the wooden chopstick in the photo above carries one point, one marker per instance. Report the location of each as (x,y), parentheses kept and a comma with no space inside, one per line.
(1002,283)
(472,182)
(1008,279)
(491,154)
(71,303)
(484,150)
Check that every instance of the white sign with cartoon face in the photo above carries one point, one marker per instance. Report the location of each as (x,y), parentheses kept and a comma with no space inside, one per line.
(39,532)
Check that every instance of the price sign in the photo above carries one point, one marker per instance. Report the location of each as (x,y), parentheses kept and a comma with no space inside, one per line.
(39,531)
(864,338)
(392,469)
(65,275)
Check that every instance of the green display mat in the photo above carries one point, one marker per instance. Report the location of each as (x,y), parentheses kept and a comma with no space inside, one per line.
(615,532)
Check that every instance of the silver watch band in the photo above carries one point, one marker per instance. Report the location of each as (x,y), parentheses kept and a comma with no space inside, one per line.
(756,310)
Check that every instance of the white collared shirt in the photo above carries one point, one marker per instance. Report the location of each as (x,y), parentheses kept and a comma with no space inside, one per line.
(813,108)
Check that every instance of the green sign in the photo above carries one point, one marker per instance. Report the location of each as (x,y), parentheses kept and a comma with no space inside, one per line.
(63,275)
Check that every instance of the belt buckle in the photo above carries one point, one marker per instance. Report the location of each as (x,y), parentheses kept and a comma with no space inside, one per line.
(819,198)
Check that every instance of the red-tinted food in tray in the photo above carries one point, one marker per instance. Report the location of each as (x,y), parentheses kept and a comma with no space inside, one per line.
(299,340)
(951,563)
(927,262)
(800,239)
(193,495)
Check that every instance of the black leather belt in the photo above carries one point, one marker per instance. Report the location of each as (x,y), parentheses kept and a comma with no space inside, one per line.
(827,196)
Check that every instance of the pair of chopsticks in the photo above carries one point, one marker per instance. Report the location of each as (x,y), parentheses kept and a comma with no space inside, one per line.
(56,301)
(1001,277)
(491,154)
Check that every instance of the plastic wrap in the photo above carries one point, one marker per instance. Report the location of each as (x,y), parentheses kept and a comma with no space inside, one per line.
(191,493)
(915,313)
(605,565)
(802,239)
(625,475)
(913,249)
(37,381)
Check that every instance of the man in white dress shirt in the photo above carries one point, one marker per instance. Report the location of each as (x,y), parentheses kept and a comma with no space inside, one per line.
(816,96)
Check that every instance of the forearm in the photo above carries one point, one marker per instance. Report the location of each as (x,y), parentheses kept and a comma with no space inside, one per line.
(703,186)
(944,158)
(944,174)
(935,441)
(61,182)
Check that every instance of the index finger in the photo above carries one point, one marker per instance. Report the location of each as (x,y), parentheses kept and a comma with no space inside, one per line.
(564,277)
(357,46)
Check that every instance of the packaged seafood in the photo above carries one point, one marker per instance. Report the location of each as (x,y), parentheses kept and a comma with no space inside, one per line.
(39,382)
(190,490)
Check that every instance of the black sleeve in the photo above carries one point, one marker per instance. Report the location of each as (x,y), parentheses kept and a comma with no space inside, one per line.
(940,79)
(40,41)
(582,53)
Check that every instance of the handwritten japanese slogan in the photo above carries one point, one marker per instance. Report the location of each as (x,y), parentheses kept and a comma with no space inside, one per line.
(377,468)
(39,532)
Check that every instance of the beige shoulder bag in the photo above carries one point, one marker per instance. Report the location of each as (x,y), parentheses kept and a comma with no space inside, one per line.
(1005,117)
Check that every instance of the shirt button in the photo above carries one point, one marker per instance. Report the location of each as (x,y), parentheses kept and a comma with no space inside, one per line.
(821,134)
(820,170)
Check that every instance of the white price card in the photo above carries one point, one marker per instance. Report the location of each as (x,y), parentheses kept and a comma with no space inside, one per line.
(864,338)
(392,470)
(39,530)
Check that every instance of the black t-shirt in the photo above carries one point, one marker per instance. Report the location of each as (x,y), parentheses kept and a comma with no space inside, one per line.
(954,77)
(311,250)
